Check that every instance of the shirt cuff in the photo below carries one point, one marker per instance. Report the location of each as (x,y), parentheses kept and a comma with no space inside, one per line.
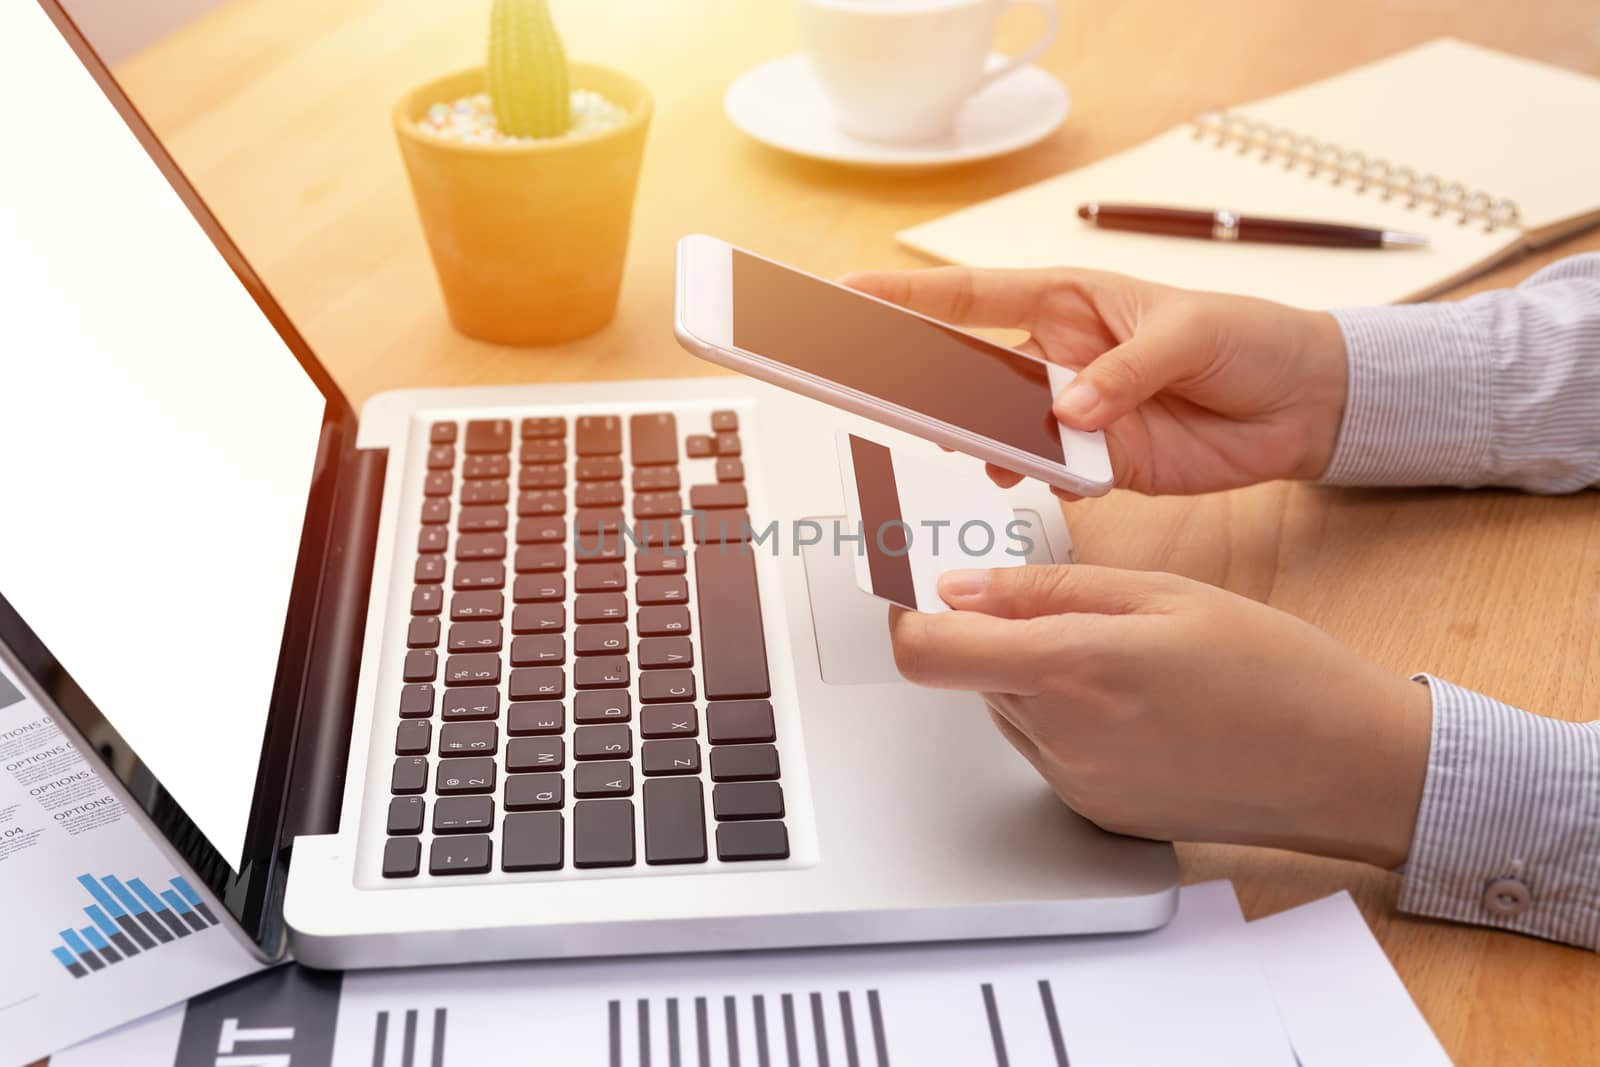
(1419,403)
(1508,833)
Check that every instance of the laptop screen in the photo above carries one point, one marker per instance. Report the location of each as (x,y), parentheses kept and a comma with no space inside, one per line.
(157,440)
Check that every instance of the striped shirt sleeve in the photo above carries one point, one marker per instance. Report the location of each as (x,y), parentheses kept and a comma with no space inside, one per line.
(1500,389)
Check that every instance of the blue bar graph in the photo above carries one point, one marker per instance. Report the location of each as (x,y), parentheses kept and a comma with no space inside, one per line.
(127,919)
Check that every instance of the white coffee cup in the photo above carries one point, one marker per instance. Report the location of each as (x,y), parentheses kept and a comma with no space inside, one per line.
(899,71)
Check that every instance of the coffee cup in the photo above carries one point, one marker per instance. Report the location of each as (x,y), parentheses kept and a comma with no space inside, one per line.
(899,71)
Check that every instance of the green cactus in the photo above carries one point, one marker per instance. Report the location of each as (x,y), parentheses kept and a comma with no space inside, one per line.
(528,81)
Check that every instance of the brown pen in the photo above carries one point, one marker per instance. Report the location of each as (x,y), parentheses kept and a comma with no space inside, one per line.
(1225,225)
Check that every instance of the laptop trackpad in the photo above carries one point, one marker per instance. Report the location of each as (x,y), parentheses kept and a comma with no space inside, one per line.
(852,628)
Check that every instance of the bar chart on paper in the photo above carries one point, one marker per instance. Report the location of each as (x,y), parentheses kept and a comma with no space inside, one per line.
(129,918)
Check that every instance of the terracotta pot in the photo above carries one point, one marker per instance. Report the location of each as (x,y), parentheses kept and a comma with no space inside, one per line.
(528,240)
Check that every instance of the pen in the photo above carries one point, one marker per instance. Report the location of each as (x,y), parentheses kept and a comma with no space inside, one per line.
(1225,225)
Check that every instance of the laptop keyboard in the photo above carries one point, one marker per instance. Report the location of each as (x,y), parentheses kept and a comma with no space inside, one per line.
(554,713)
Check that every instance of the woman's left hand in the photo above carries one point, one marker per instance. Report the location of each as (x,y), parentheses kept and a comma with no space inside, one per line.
(1162,707)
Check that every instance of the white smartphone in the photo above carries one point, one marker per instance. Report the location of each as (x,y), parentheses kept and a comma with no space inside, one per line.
(880,361)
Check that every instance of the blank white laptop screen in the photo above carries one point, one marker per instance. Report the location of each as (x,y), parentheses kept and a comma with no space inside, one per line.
(157,440)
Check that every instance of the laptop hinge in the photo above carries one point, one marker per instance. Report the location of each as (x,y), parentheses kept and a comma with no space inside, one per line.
(322,743)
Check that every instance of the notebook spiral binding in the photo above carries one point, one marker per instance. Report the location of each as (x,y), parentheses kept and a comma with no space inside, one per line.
(1427,191)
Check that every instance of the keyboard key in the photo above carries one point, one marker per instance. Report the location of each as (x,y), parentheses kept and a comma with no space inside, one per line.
(532,588)
(486,467)
(467,705)
(743,763)
(607,778)
(477,605)
(599,705)
(548,476)
(489,435)
(658,652)
(481,519)
(484,492)
(658,533)
(538,651)
(442,433)
(477,668)
(661,561)
(532,842)
(460,855)
(600,607)
(438,483)
(538,618)
(677,756)
(406,815)
(602,833)
(747,800)
(657,505)
(475,637)
(600,546)
(416,701)
(544,453)
(600,672)
(722,528)
(536,754)
(481,546)
(598,495)
(728,444)
(752,841)
(733,647)
(481,574)
(402,857)
(427,600)
(598,435)
(542,502)
(544,427)
(532,559)
(435,509)
(423,632)
(600,578)
(674,820)
(598,469)
(663,622)
(700,446)
(430,569)
(536,717)
(468,739)
(738,722)
(662,589)
(410,775)
(666,687)
(441,458)
(730,469)
(707,497)
(541,530)
(533,792)
(601,639)
(462,776)
(602,742)
(599,520)
(653,439)
(668,720)
(413,737)
(724,421)
(433,539)
(463,815)
(655,479)
(538,683)
(422,665)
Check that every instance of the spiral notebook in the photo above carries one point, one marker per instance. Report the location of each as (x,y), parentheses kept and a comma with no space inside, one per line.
(1483,152)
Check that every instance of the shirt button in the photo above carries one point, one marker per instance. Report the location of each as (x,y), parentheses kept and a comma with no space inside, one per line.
(1506,896)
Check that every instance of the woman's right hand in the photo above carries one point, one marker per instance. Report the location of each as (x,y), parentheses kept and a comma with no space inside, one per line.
(1196,392)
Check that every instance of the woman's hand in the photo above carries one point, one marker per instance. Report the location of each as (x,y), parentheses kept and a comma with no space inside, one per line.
(1162,707)
(1196,391)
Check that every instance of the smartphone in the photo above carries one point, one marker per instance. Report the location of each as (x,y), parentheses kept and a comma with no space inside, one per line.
(880,361)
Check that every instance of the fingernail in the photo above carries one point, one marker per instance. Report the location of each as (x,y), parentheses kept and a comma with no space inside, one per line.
(963,585)
(1077,401)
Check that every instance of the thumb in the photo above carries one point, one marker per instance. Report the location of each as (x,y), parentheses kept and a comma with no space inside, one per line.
(1126,376)
(1028,592)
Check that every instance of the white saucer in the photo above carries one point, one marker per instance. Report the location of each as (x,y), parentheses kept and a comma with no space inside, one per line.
(780,104)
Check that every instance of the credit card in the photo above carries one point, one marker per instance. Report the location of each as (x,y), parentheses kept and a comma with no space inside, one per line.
(916,512)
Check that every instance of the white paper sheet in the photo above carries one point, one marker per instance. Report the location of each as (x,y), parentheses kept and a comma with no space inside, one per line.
(1341,1000)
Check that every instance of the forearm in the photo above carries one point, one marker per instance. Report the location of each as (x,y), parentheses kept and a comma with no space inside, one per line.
(1499,389)
(1508,832)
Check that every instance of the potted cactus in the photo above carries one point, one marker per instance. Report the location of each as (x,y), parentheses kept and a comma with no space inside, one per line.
(524,174)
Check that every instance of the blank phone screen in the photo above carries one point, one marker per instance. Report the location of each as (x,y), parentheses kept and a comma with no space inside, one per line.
(875,349)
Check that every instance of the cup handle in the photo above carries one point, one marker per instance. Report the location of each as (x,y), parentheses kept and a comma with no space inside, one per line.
(1037,48)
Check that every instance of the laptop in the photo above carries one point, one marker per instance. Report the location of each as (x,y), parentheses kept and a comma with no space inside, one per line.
(395,689)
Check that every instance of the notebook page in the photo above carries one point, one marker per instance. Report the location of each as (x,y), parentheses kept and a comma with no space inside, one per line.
(1506,125)
(1038,227)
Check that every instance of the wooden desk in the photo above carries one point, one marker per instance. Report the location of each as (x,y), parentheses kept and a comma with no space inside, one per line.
(279,111)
